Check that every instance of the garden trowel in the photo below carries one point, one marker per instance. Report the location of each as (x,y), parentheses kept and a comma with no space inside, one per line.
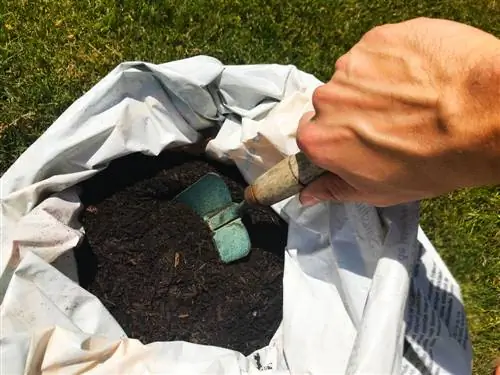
(211,199)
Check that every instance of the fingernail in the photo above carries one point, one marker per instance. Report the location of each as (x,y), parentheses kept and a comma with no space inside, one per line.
(308,200)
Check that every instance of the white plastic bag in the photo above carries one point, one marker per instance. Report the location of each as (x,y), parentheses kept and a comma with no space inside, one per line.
(365,292)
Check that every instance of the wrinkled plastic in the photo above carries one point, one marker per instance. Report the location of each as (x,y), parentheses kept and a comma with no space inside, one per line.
(365,292)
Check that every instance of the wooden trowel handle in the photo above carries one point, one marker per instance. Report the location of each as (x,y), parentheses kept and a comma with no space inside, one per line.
(285,179)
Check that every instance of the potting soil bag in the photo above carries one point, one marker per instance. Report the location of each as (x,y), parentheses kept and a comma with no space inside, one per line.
(365,292)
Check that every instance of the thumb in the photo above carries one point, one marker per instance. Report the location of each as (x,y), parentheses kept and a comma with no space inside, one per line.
(328,187)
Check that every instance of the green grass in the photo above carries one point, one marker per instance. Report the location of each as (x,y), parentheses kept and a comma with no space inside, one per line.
(51,52)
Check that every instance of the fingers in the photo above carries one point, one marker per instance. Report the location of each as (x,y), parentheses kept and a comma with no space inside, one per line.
(328,187)
(309,136)
(314,128)
(331,187)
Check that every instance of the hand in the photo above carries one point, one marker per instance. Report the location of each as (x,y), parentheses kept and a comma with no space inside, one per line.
(412,111)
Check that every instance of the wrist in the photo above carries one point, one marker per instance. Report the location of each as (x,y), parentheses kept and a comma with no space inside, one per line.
(473,117)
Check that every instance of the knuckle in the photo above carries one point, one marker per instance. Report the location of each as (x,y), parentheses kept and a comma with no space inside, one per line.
(320,96)
(355,66)
(321,144)
(356,63)
(305,137)
(381,33)
(342,62)
(308,141)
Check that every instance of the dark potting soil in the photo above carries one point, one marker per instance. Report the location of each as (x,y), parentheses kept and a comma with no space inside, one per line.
(153,264)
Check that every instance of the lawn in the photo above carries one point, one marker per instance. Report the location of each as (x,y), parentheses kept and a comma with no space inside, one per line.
(51,52)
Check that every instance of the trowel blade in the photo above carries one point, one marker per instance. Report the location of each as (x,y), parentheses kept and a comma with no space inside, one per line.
(207,195)
(232,241)
(211,199)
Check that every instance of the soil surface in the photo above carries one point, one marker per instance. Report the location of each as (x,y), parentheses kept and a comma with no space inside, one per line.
(153,264)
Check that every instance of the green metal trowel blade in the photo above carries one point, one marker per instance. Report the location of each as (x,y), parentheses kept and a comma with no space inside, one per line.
(211,199)
(206,195)
(232,241)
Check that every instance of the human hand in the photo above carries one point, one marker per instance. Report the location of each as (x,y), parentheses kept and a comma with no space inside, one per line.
(412,111)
